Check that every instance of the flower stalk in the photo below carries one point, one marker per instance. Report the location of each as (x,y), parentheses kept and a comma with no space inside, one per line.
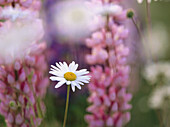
(148,18)
(66,108)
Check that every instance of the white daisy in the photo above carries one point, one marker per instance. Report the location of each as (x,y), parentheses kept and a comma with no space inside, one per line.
(160,97)
(64,73)
(154,71)
(72,19)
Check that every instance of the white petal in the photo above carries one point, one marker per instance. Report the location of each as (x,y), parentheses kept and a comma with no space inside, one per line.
(54,78)
(78,82)
(54,67)
(78,86)
(73,87)
(82,70)
(71,65)
(79,73)
(57,73)
(74,68)
(85,81)
(59,84)
(58,66)
(68,82)
(65,67)
(65,64)
(83,77)
(61,64)
(53,72)
(82,80)
(73,83)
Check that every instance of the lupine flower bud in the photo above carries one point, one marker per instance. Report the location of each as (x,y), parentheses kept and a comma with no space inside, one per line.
(18,119)
(10,79)
(130,13)
(17,65)
(13,105)
(10,118)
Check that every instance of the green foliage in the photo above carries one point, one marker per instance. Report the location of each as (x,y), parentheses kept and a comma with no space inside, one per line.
(55,111)
(2,121)
(141,114)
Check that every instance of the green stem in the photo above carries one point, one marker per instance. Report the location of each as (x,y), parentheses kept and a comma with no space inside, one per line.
(40,112)
(159,118)
(148,17)
(138,28)
(27,99)
(143,39)
(66,109)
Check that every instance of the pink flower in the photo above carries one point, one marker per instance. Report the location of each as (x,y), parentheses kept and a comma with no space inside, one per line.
(99,55)
(20,32)
(10,118)
(108,87)
(18,119)
(22,87)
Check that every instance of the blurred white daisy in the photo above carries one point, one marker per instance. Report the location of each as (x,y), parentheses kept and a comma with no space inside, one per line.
(68,74)
(154,71)
(159,97)
(72,19)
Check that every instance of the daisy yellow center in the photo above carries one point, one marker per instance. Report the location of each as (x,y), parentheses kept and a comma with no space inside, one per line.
(70,76)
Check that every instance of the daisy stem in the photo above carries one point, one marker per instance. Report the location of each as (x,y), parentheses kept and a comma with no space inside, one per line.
(66,109)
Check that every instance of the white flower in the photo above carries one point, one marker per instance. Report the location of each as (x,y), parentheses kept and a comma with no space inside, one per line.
(140,1)
(72,19)
(100,11)
(64,73)
(159,97)
(153,70)
(12,13)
